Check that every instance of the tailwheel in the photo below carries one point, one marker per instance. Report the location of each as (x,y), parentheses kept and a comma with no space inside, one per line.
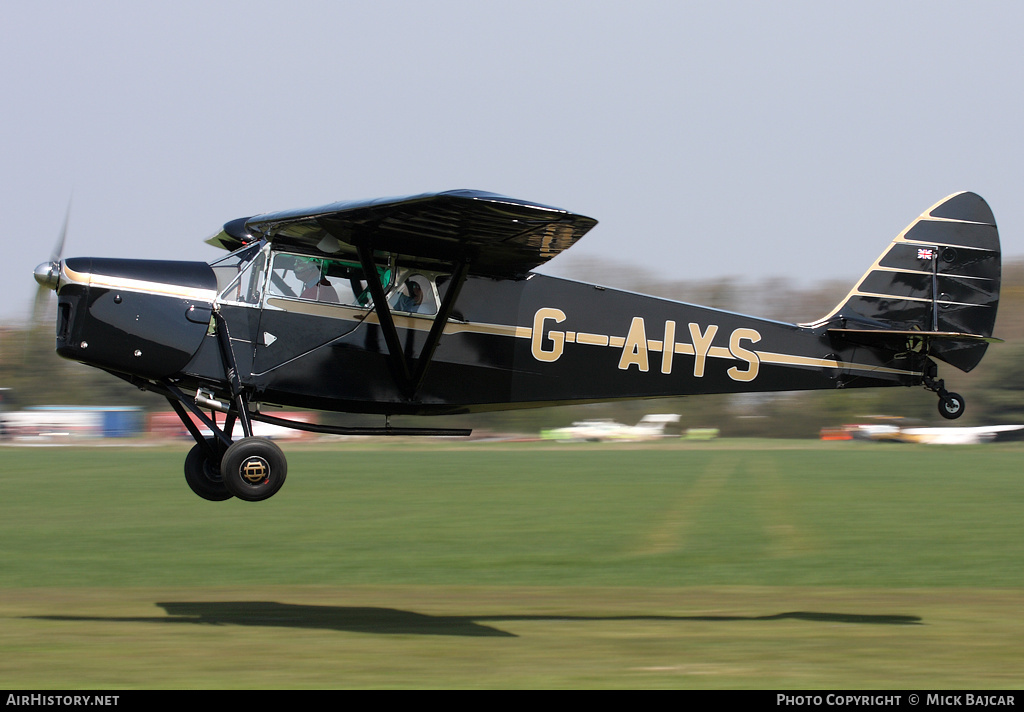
(253,469)
(951,405)
(202,473)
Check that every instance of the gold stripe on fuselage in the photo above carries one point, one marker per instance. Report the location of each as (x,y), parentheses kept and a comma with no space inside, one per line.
(68,275)
(424,323)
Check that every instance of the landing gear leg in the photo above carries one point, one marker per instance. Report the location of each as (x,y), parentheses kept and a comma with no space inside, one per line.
(217,469)
(951,405)
(253,469)
(202,464)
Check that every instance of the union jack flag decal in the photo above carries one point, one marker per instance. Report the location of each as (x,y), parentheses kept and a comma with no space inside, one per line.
(925,253)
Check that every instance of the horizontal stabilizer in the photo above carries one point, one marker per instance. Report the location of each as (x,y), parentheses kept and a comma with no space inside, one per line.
(873,337)
(955,348)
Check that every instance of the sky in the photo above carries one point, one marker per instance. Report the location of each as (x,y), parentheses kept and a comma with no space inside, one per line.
(752,140)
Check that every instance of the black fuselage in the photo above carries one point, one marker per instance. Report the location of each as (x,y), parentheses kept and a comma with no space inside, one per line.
(508,344)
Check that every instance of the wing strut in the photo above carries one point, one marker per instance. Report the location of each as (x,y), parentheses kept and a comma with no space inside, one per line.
(440,319)
(387,324)
(410,376)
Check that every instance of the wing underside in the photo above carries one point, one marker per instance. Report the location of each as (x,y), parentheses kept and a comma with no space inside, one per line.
(497,236)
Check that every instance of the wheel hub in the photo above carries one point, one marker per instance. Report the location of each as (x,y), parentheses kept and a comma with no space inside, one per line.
(255,470)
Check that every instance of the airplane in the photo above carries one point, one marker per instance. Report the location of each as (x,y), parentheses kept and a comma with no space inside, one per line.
(430,305)
(935,436)
(959,436)
(650,427)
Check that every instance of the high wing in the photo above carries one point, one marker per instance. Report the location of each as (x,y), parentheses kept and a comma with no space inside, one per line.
(497,236)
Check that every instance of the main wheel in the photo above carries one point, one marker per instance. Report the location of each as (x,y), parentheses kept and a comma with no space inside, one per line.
(951,405)
(253,469)
(203,475)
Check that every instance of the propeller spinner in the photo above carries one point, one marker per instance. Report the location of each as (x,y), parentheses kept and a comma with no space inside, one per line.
(47,274)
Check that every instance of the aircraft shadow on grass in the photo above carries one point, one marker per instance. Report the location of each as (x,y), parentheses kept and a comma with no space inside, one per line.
(357,619)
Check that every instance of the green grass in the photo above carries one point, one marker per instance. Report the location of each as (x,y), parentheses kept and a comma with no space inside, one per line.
(729,564)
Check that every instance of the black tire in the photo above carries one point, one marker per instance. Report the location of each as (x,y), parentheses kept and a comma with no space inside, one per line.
(951,406)
(203,475)
(253,469)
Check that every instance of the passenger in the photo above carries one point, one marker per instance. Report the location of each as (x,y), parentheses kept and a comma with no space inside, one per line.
(314,285)
(411,298)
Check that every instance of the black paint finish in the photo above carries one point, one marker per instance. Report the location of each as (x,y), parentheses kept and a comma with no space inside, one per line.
(131,331)
(523,340)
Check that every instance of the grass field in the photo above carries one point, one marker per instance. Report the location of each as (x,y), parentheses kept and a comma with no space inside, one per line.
(735,564)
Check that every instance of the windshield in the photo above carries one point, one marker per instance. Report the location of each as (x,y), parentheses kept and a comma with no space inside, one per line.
(246,287)
(227,268)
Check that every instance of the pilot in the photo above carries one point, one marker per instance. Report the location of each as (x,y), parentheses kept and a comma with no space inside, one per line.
(314,284)
(411,297)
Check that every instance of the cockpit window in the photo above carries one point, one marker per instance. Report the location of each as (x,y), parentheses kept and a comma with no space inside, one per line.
(323,280)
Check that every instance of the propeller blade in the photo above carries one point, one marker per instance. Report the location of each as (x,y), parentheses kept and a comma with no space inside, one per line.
(58,249)
(41,304)
(48,273)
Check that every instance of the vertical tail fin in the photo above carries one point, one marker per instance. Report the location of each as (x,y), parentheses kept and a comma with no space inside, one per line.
(939,276)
